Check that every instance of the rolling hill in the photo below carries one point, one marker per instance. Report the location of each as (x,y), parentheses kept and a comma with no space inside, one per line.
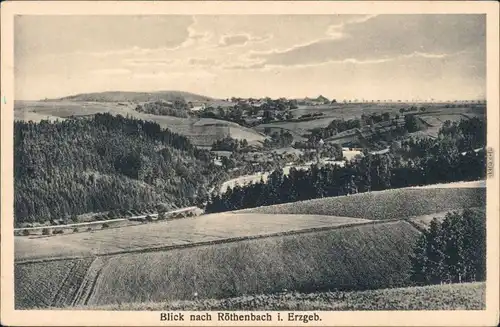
(120,96)
(388,204)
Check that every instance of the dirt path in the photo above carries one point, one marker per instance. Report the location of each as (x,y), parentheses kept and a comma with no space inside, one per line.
(87,286)
(69,288)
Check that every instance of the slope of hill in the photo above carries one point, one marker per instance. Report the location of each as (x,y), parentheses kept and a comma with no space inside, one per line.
(358,257)
(104,163)
(465,296)
(388,204)
(120,96)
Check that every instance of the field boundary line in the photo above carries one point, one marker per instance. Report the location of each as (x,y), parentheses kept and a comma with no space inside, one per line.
(215,242)
(415,225)
(103,221)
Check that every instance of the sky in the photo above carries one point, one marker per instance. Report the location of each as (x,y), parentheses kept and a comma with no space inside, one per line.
(371,57)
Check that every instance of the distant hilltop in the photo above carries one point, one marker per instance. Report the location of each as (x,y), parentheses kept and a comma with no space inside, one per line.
(118,96)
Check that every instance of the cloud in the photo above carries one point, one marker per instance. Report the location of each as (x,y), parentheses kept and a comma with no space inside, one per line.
(257,65)
(385,37)
(248,64)
(201,74)
(241,39)
(110,71)
(148,62)
(201,62)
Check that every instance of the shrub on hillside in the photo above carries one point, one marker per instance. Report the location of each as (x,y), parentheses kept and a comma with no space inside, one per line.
(45,231)
(26,232)
(105,225)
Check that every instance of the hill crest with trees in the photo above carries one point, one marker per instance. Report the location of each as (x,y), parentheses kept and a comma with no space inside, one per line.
(104,163)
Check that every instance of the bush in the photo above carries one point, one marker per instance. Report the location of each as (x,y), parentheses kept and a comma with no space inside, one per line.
(149,218)
(26,232)
(57,231)
(105,225)
(75,230)
(45,231)
(451,251)
(89,229)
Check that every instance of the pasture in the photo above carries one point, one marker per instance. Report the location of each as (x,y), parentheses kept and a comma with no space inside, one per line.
(388,204)
(466,296)
(208,228)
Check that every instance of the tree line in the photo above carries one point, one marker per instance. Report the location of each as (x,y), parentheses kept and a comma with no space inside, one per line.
(451,251)
(415,162)
(230,144)
(178,108)
(103,163)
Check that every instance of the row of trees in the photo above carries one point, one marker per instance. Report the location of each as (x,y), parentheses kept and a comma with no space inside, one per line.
(178,108)
(104,163)
(451,251)
(230,144)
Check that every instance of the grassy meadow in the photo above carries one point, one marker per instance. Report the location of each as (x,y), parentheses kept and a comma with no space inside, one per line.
(466,296)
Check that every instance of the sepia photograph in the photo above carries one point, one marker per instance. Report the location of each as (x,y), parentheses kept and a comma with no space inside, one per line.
(265,167)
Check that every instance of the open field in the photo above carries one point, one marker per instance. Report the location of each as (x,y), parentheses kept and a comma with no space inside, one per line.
(353,110)
(466,296)
(388,204)
(46,284)
(301,126)
(368,256)
(214,227)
